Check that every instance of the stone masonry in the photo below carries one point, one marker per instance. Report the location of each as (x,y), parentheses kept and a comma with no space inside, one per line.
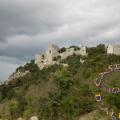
(53,51)
(113,49)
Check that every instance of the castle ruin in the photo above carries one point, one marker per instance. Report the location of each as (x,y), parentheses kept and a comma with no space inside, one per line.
(53,52)
(113,49)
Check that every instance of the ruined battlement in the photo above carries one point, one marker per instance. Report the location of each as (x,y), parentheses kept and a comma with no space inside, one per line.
(53,51)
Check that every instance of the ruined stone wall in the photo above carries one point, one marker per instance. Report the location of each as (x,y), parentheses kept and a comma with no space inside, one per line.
(83,51)
(53,51)
(116,49)
(38,59)
(113,49)
(68,52)
(110,49)
(71,51)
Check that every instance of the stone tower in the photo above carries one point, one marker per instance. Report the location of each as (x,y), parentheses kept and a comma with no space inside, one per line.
(83,50)
(51,53)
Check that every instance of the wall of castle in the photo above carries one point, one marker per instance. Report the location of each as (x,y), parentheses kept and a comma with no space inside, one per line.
(71,51)
(38,59)
(83,51)
(67,53)
(48,55)
(116,50)
(113,49)
(110,49)
(52,52)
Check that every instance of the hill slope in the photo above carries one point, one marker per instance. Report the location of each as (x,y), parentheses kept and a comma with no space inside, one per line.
(57,92)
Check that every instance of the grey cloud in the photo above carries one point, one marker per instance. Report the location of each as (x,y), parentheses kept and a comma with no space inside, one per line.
(26,27)
(25,17)
(4,73)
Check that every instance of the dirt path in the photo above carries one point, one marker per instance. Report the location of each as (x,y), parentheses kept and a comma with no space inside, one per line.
(93,116)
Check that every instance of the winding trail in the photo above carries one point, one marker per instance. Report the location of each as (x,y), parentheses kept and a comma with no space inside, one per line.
(100,83)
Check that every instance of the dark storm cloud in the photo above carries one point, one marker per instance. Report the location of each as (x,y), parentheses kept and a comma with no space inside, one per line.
(27,26)
(43,21)
(24,17)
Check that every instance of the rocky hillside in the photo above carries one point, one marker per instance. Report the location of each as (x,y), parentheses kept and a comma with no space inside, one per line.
(59,92)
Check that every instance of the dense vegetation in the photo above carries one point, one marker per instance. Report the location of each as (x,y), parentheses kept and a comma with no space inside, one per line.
(57,92)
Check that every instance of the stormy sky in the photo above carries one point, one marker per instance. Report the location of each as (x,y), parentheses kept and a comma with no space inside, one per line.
(28,26)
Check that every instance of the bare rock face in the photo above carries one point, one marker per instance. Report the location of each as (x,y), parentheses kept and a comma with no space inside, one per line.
(3,119)
(34,118)
(18,75)
(82,61)
(20,119)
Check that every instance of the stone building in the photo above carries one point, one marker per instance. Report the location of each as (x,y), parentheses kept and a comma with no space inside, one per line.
(113,49)
(52,52)
(38,59)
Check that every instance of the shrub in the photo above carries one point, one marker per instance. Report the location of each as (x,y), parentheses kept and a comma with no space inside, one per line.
(63,49)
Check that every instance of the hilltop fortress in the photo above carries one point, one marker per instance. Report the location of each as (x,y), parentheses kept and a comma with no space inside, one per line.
(53,52)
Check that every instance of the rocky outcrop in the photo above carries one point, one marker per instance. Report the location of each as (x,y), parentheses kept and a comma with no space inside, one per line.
(18,75)
(20,119)
(34,118)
